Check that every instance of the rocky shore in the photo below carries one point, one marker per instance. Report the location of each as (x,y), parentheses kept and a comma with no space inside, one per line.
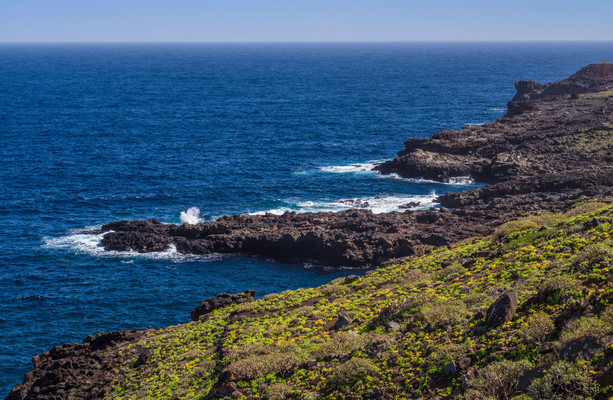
(553,149)
(549,151)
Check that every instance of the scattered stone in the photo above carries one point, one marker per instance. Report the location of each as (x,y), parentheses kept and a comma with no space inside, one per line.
(351,279)
(546,347)
(143,358)
(502,310)
(450,369)
(393,326)
(343,321)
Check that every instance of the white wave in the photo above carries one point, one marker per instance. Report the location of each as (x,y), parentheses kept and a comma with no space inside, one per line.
(377,204)
(498,109)
(460,180)
(453,181)
(351,168)
(89,243)
(474,123)
(191,216)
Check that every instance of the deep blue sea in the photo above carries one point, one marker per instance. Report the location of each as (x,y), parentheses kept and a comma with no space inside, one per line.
(96,133)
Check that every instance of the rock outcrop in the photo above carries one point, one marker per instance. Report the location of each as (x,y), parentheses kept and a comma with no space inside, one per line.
(219,301)
(75,370)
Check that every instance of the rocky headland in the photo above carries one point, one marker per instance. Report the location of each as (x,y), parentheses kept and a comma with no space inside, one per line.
(553,148)
(523,308)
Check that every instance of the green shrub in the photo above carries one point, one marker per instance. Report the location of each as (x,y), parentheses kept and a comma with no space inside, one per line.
(510,227)
(499,380)
(586,208)
(537,328)
(585,326)
(262,365)
(593,252)
(353,371)
(279,391)
(449,272)
(447,313)
(398,309)
(558,288)
(342,343)
(564,381)
(476,299)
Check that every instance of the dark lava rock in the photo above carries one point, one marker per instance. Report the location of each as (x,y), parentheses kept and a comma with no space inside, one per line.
(219,301)
(502,310)
(585,347)
(450,369)
(343,321)
(224,387)
(527,377)
(81,367)
(351,278)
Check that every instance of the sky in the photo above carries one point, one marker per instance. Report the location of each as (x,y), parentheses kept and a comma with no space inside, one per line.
(303,20)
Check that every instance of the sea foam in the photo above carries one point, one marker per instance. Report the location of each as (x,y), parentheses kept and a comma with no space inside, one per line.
(83,242)
(191,216)
(351,168)
(377,204)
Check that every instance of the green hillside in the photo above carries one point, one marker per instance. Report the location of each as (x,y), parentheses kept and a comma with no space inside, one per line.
(415,330)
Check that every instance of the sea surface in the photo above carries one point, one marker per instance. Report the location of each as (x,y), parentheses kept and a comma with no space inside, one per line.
(91,134)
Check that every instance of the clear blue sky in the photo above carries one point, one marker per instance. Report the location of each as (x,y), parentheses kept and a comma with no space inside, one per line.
(303,20)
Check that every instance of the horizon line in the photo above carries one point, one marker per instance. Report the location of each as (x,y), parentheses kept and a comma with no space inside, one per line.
(307,41)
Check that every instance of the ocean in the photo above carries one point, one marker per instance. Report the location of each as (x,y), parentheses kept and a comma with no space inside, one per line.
(94,133)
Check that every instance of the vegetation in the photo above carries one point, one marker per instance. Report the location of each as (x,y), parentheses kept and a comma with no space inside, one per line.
(418,327)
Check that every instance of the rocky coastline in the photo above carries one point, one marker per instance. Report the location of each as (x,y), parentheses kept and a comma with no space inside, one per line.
(549,151)
(552,149)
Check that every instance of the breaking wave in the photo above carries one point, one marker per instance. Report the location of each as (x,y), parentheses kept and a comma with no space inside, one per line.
(191,216)
(83,242)
(377,204)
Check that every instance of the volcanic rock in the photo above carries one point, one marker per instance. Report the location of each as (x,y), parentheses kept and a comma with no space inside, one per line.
(502,310)
(219,301)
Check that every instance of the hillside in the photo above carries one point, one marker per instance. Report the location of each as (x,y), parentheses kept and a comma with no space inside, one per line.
(443,325)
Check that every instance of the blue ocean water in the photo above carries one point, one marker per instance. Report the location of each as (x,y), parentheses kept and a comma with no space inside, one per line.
(97,133)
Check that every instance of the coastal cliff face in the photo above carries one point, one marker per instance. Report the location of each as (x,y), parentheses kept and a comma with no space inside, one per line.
(553,148)
(556,128)
(527,303)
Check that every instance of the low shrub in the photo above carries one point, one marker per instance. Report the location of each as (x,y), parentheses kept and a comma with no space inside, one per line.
(585,208)
(398,309)
(585,326)
(498,380)
(537,328)
(447,313)
(564,381)
(279,391)
(510,227)
(449,272)
(593,252)
(558,288)
(352,371)
(261,365)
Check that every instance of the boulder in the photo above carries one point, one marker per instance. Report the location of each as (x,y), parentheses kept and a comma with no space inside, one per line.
(502,310)
(343,321)
(585,347)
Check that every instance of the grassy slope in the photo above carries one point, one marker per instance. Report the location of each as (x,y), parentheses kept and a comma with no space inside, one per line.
(284,346)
